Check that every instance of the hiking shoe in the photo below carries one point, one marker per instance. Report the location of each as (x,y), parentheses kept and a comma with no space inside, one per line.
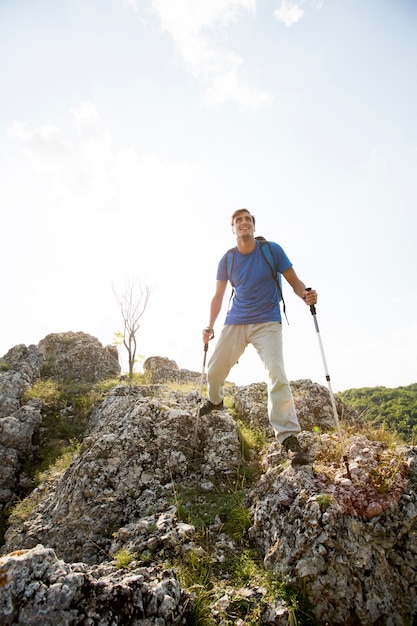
(295,452)
(208,407)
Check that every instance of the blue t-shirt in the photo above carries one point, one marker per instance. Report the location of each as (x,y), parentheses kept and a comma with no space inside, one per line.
(256,298)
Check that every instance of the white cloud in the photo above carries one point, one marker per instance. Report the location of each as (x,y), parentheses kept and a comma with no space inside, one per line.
(288,12)
(225,85)
(196,26)
(71,166)
(185,17)
(83,172)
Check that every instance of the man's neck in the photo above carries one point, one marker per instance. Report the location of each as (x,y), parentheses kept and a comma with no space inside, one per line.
(246,244)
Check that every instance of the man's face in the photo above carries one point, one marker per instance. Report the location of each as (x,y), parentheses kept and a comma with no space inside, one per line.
(243,225)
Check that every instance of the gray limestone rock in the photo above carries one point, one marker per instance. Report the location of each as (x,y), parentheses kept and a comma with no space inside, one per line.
(350,544)
(78,357)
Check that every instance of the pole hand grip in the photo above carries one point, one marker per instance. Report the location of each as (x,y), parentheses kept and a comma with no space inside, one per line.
(312,306)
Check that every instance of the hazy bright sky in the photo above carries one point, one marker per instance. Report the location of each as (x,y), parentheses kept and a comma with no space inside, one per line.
(132,129)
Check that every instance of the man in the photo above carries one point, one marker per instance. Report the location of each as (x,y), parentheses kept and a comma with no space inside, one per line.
(255,318)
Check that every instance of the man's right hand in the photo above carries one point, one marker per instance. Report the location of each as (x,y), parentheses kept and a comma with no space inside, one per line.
(208,333)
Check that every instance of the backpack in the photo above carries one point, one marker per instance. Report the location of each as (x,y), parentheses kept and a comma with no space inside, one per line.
(269,258)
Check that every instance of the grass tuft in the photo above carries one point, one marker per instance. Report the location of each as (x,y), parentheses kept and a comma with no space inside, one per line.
(325,501)
(123,559)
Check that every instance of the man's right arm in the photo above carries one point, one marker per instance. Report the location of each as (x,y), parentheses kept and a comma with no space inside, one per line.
(215,308)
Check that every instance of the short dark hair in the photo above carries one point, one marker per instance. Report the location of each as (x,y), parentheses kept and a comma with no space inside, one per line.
(241,211)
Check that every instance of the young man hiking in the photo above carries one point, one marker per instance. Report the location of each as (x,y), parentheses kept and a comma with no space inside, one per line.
(255,318)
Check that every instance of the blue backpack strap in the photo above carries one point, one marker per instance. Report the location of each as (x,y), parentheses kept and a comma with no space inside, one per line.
(230,260)
(269,258)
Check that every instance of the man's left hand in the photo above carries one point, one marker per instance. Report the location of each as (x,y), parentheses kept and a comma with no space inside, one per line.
(310,296)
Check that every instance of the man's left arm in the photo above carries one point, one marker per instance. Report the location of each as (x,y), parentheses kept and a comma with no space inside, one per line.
(309,296)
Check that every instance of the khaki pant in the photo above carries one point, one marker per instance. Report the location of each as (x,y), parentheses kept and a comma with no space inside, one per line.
(267,340)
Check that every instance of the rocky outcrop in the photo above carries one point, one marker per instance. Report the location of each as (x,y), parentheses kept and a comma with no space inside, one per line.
(19,425)
(162,370)
(21,366)
(136,448)
(78,357)
(19,436)
(312,403)
(350,544)
(71,356)
(341,538)
(38,588)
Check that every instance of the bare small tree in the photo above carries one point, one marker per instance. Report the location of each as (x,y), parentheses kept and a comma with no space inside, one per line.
(132,304)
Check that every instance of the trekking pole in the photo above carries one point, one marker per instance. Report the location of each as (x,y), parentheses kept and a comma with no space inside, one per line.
(200,398)
(332,400)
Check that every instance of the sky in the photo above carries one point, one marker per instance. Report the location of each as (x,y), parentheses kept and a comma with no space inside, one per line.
(130,130)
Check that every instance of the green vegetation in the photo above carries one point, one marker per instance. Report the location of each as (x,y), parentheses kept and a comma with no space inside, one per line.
(389,470)
(216,569)
(241,570)
(123,559)
(394,410)
(251,440)
(66,408)
(212,572)
(324,500)
(223,504)
(24,507)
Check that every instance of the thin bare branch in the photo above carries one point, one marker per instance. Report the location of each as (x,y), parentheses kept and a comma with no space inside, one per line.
(132,303)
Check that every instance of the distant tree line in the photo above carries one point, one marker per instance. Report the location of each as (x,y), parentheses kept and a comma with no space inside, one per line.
(393,409)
